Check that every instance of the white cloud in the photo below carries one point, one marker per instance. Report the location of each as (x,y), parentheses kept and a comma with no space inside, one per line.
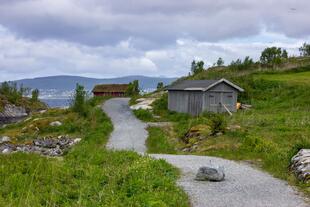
(24,58)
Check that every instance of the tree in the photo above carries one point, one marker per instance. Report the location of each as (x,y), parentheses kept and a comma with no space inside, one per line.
(248,61)
(305,49)
(220,62)
(193,67)
(271,55)
(160,85)
(79,100)
(284,54)
(133,88)
(35,95)
(197,67)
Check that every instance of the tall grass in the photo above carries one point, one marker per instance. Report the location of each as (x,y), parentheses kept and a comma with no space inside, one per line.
(89,175)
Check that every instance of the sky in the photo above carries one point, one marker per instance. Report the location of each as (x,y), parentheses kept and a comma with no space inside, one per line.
(112,38)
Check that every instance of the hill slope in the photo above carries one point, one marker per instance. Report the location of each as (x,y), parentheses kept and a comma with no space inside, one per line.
(269,134)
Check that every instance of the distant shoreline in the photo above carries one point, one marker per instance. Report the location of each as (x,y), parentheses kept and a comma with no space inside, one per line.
(57,102)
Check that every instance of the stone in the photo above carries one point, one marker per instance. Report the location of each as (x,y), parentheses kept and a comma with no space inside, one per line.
(5,139)
(210,174)
(77,140)
(55,123)
(300,165)
(6,151)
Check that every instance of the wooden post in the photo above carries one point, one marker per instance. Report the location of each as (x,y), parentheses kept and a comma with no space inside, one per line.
(227,109)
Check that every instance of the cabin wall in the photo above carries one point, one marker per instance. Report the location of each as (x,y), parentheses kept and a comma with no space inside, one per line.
(185,101)
(218,95)
(178,101)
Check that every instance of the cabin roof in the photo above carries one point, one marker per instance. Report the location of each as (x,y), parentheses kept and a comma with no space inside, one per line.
(200,85)
(110,88)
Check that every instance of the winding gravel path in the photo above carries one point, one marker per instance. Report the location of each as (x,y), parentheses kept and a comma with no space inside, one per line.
(244,186)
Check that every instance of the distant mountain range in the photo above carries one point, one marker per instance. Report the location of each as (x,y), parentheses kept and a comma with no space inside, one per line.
(62,86)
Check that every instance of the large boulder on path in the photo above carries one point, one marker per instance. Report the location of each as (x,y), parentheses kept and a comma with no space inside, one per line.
(210,174)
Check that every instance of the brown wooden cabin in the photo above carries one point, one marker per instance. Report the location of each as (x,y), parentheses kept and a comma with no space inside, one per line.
(117,90)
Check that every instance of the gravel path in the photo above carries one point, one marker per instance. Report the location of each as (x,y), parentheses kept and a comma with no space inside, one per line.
(129,133)
(244,186)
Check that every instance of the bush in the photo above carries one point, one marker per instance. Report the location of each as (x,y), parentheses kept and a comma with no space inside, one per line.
(161,104)
(217,123)
(144,115)
(35,95)
(257,144)
(78,104)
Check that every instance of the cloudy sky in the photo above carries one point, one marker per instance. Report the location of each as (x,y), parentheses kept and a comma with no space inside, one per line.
(110,38)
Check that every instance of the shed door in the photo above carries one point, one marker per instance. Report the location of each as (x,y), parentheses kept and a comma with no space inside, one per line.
(216,99)
(227,100)
(195,102)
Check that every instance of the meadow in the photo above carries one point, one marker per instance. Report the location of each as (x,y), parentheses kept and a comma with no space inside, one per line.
(268,135)
(88,175)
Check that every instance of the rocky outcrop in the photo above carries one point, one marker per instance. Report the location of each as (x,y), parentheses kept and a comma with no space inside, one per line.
(300,165)
(45,146)
(143,103)
(12,113)
(210,174)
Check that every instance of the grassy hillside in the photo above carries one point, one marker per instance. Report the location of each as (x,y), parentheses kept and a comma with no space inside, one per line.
(88,175)
(268,135)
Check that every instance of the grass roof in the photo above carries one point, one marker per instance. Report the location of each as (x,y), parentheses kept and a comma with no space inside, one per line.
(110,88)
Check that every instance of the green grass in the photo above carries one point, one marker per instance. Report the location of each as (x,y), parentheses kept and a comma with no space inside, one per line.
(158,142)
(144,115)
(297,78)
(89,175)
(270,133)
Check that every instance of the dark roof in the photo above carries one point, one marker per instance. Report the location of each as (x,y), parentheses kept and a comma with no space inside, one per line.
(200,85)
(110,88)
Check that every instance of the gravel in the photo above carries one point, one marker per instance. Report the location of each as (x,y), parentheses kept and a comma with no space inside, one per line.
(243,185)
(129,133)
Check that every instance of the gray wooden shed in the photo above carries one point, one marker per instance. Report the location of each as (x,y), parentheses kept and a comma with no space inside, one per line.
(197,96)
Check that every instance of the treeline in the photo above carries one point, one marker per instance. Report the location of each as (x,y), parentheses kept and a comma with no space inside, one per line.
(10,93)
(14,94)
(270,57)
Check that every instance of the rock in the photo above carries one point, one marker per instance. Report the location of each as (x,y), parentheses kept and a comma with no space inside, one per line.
(48,143)
(219,134)
(77,140)
(300,165)
(210,174)
(55,123)
(5,139)
(6,151)
(200,132)
(42,111)
(12,114)
(143,103)
(48,146)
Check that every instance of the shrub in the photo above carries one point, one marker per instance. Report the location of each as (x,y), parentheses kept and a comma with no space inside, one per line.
(35,95)
(78,104)
(217,123)
(257,144)
(144,115)
(161,104)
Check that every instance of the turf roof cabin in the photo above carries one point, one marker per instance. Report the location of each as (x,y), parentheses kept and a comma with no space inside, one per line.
(117,90)
(196,96)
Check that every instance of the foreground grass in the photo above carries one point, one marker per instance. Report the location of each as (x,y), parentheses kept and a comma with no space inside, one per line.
(89,175)
(158,142)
